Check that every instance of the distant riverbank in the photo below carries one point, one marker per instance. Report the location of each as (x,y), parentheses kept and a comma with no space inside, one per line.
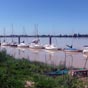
(47,35)
(21,73)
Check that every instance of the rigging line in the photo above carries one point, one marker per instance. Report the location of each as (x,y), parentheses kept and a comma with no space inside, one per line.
(12,32)
(4,33)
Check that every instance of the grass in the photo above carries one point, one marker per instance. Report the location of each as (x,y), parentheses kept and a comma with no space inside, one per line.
(14,73)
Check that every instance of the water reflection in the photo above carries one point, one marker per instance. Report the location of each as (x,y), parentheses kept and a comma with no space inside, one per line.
(21,53)
(86,59)
(21,49)
(49,58)
(70,56)
(69,59)
(85,63)
(35,54)
(35,50)
(51,51)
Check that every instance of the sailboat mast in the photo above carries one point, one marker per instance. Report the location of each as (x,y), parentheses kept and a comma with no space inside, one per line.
(12,32)
(72,38)
(36,31)
(4,33)
(24,33)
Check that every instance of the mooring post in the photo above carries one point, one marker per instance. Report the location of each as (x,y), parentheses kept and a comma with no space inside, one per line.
(50,39)
(19,39)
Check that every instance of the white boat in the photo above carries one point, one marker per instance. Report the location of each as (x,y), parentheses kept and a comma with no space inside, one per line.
(4,44)
(22,45)
(35,46)
(71,49)
(35,43)
(13,44)
(50,47)
(85,50)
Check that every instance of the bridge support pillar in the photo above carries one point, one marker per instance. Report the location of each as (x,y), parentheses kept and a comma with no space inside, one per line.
(50,40)
(19,39)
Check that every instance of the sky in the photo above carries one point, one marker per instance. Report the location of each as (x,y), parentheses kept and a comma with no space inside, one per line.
(50,16)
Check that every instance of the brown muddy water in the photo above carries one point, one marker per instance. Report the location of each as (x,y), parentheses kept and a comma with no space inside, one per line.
(77,60)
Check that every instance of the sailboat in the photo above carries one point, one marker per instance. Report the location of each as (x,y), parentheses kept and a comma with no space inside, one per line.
(50,47)
(22,44)
(85,50)
(13,44)
(35,43)
(4,43)
(0,41)
(70,48)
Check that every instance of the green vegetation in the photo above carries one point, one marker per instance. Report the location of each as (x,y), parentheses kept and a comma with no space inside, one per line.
(17,73)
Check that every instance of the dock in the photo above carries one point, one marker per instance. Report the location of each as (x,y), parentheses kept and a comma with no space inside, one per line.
(79,73)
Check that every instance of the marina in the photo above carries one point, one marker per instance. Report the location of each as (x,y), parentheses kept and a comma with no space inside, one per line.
(54,56)
(43,44)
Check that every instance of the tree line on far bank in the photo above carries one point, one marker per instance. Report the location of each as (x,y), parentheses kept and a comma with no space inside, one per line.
(49,35)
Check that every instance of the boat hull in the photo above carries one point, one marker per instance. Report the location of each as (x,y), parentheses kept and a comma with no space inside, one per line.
(12,45)
(4,44)
(71,50)
(51,47)
(36,47)
(48,48)
(22,45)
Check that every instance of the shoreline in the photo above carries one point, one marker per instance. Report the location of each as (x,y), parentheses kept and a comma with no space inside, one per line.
(19,73)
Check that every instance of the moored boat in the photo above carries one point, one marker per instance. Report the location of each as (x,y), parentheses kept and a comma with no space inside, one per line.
(35,46)
(50,47)
(85,50)
(58,72)
(22,45)
(13,44)
(5,44)
(71,49)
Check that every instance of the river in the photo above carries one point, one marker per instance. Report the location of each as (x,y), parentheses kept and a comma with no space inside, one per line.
(77,60)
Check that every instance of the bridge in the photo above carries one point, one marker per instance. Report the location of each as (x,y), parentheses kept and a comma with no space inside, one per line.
(30,36)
